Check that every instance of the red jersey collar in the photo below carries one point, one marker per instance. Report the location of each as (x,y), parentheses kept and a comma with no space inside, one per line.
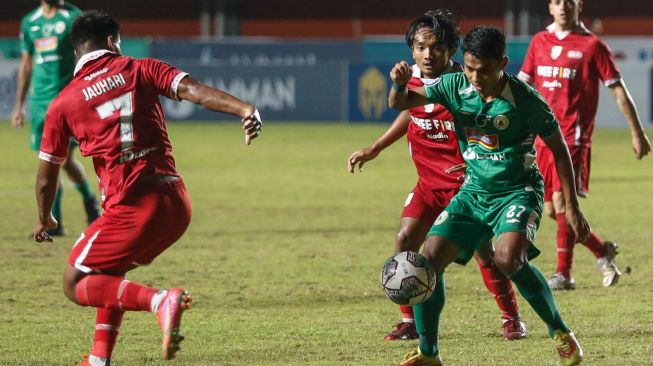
(580,28)
(89,57)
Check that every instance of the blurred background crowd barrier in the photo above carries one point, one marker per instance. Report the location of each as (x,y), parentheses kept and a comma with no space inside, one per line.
(329,61)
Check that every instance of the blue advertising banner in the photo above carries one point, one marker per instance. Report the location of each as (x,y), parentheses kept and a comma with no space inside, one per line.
(369,85)
(246,52)
(281,93)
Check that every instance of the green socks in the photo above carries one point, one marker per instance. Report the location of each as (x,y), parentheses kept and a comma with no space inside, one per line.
(85,189)
(533,287)
(427,318)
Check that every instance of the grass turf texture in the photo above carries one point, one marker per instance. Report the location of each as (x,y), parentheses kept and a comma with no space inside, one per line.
(283,257)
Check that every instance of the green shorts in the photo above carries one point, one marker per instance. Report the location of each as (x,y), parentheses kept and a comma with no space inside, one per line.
(37,111)
(472,219)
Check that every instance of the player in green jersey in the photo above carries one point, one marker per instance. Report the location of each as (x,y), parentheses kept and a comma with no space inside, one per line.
(47,64)
(497,118)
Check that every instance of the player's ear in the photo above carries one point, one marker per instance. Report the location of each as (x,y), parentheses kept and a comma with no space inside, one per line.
(504,62)
(113,43)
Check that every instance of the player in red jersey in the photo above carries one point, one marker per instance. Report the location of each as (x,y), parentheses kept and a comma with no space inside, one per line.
(434,148)
(565,63)
(112,108)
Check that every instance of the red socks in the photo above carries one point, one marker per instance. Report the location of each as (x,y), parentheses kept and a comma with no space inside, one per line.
(107,326)
(566,241)
(501,289)
(407,314)
(113,292)
(595,244)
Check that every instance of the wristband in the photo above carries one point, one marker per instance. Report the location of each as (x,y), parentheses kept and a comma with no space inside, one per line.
(398,88)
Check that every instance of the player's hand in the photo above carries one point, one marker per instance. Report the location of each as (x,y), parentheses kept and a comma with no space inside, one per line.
(457,168)
(17,118)
(641,145)
(360,157)
(40,230)
(252,125)
(401,73)
(578,223)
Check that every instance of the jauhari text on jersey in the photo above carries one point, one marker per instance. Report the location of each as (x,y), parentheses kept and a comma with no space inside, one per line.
(103,86)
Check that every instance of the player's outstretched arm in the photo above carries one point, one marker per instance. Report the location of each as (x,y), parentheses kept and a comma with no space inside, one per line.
(219,101)
(400,97)
(574,215)
(46,188)
(641,143)
(24,76)
(398,129)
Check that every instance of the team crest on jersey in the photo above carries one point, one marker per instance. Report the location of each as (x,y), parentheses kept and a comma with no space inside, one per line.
(441,218)
(501,122)
(556,51)
(429,108)
(59,27)
(490,142)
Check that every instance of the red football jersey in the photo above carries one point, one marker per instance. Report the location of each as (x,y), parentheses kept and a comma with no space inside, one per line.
(566,68)
(432,141)
(112,108)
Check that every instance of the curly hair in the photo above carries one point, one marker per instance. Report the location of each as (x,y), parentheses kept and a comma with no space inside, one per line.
(94,26)
(443,24)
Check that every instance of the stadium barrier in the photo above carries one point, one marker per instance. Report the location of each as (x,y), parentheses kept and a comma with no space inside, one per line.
(328,80)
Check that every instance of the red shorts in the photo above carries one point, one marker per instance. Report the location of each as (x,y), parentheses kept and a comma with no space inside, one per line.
(135,231)
(580,160)
(425,203)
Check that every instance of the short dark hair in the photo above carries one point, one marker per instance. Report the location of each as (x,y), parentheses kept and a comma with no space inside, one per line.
(94,26)
(443,23)
(485,42)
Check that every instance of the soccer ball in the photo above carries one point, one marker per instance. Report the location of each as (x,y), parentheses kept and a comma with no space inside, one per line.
(407,278)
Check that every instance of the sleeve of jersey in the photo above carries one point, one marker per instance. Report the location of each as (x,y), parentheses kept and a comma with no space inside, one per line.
(526,73)
(605,64)
(436,91)
(56,138)
(541,118)
(26,44)
(162,77)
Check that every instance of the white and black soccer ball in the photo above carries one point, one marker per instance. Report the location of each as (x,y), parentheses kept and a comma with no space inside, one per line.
(408,278)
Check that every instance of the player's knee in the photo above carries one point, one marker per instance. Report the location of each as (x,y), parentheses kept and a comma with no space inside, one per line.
(550,211)
(70,279)
(508,262)
(69,289)
(558,200)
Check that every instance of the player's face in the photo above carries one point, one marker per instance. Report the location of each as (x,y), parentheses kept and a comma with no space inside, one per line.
(484,74)
(565,13)
(429,54)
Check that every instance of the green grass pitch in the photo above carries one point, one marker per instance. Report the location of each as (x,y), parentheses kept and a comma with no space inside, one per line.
(284,252)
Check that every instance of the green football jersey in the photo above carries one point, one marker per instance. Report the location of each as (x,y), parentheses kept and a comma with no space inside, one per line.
(48,42)
(496,138)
